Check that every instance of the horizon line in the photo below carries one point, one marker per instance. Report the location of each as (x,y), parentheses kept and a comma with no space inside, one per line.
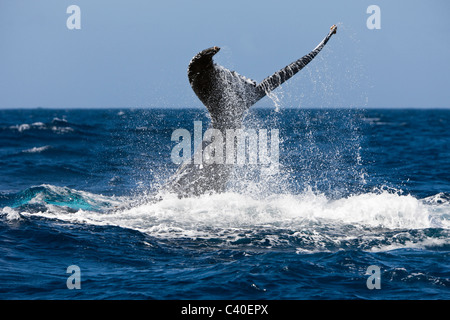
(202,107)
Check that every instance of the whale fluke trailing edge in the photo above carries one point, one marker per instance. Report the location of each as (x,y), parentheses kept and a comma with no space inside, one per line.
(227,95)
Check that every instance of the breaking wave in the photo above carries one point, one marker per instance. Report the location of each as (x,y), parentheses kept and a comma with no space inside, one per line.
(306,222)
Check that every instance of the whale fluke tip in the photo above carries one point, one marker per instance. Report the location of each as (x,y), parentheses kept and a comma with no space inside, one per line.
(333,28)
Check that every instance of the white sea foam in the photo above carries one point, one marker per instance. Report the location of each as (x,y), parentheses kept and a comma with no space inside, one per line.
(38,125)
(371,221)
(37,149)
(61,130)
(56,119)
(42,126)
(21,128)
(11,214)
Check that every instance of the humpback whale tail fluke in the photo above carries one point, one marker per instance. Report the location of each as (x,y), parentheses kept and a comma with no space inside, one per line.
(227,95)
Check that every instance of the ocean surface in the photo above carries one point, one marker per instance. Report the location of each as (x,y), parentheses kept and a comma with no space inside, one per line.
(354,189)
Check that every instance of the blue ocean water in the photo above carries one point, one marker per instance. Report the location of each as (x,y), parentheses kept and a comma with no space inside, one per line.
(355,188)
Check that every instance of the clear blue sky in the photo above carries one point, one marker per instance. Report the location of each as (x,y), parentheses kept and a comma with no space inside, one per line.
(135,53)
